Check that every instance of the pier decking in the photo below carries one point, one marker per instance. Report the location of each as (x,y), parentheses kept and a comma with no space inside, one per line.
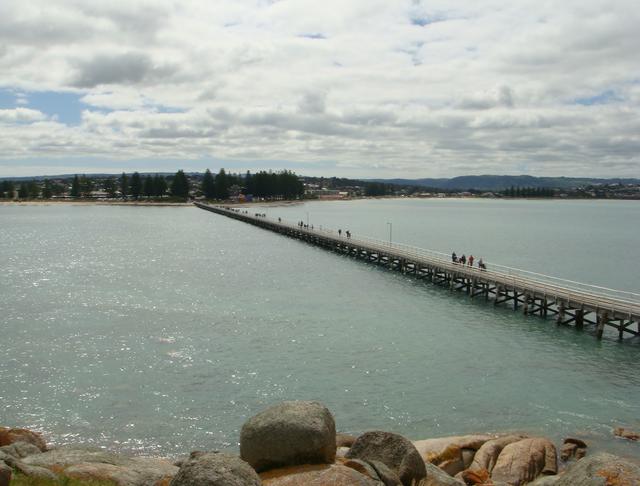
(568,302)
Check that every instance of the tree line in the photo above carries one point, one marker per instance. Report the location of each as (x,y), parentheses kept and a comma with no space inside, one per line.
(221,186)
(528,192)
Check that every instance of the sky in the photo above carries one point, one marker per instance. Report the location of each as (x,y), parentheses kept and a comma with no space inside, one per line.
(350,88)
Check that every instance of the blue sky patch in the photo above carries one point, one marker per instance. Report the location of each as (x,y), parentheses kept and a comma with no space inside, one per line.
(608,96)
(65,107)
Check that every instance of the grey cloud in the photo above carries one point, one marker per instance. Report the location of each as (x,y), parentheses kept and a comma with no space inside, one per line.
(129,68)
(312,103)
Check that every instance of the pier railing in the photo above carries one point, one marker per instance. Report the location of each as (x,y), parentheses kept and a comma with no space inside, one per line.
(595,296)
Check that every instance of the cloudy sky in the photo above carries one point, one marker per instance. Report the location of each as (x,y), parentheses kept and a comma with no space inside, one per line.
(355,88)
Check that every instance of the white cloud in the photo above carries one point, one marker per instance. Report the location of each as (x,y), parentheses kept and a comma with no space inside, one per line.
(404,88)
(21,115)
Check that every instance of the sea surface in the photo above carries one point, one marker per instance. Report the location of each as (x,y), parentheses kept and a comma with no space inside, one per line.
(160,330)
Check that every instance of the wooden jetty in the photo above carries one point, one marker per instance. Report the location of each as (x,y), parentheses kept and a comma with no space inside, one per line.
(568,302)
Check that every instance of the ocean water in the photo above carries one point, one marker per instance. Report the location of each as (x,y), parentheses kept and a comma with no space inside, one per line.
(162,329)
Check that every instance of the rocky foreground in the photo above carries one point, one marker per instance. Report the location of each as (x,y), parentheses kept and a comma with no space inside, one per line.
(295,444)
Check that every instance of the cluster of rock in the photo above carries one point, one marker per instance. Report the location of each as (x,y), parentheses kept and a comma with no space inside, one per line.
(295,444)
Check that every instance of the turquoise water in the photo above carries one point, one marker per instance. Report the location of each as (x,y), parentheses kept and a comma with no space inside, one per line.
(162,329)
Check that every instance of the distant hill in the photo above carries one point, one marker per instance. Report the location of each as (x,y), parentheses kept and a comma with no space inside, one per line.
(499,183)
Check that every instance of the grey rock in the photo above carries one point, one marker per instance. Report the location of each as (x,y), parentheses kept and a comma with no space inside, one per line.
(20,449)
(8,459)
(545,481)
(437,477)
(5,474)
(600,470)
(362,467)
(393,450)
(91,463)
(288,434)
(386,475)
(523,461)
(35,471)
(216,469)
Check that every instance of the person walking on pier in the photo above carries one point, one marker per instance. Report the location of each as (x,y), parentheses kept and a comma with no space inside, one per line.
(471,260)
(481,264)
(463,259)
(454,257)
(348,234)
(340,232)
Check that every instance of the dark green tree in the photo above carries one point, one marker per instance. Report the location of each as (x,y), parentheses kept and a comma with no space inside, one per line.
(159,186)
(147,186)
(8,189)
(75,187)
(124,185)
(23,191)
(208,185)
(136,185)
(180,185)
(222,185)
(47,191)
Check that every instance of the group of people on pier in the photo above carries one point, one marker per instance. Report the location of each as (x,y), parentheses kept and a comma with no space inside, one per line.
(463,260)
(302,225)
(348,233)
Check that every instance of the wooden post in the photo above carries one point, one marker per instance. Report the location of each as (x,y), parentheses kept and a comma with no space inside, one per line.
(527,303)
(602,320)
(579,318)
(560,316)
(621,329)
(515,299)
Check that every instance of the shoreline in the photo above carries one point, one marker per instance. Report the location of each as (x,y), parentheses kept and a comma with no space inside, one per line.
(299,441)
(84,202)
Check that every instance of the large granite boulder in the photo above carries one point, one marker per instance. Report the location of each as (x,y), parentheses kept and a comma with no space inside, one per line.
(20,449)
(393,450)
(216,469)
(523,461)
(96,464)
(8,436)
(317,475)
(289,434)
(487,456)
(35,472)
(601,470)
(432,450)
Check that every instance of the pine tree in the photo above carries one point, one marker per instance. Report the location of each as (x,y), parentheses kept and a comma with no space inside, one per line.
(222,185)
(124,185)
(23,191)
(180,185)
(208,185)
(159,186)
(147,188)
(136,185)
(46,190)
(75,187)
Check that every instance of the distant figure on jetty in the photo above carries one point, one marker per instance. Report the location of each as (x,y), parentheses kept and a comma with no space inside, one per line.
(471,260)
(348,234)
(463,259)
(279,220)
(454,257)
(339,232)
(481,264)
